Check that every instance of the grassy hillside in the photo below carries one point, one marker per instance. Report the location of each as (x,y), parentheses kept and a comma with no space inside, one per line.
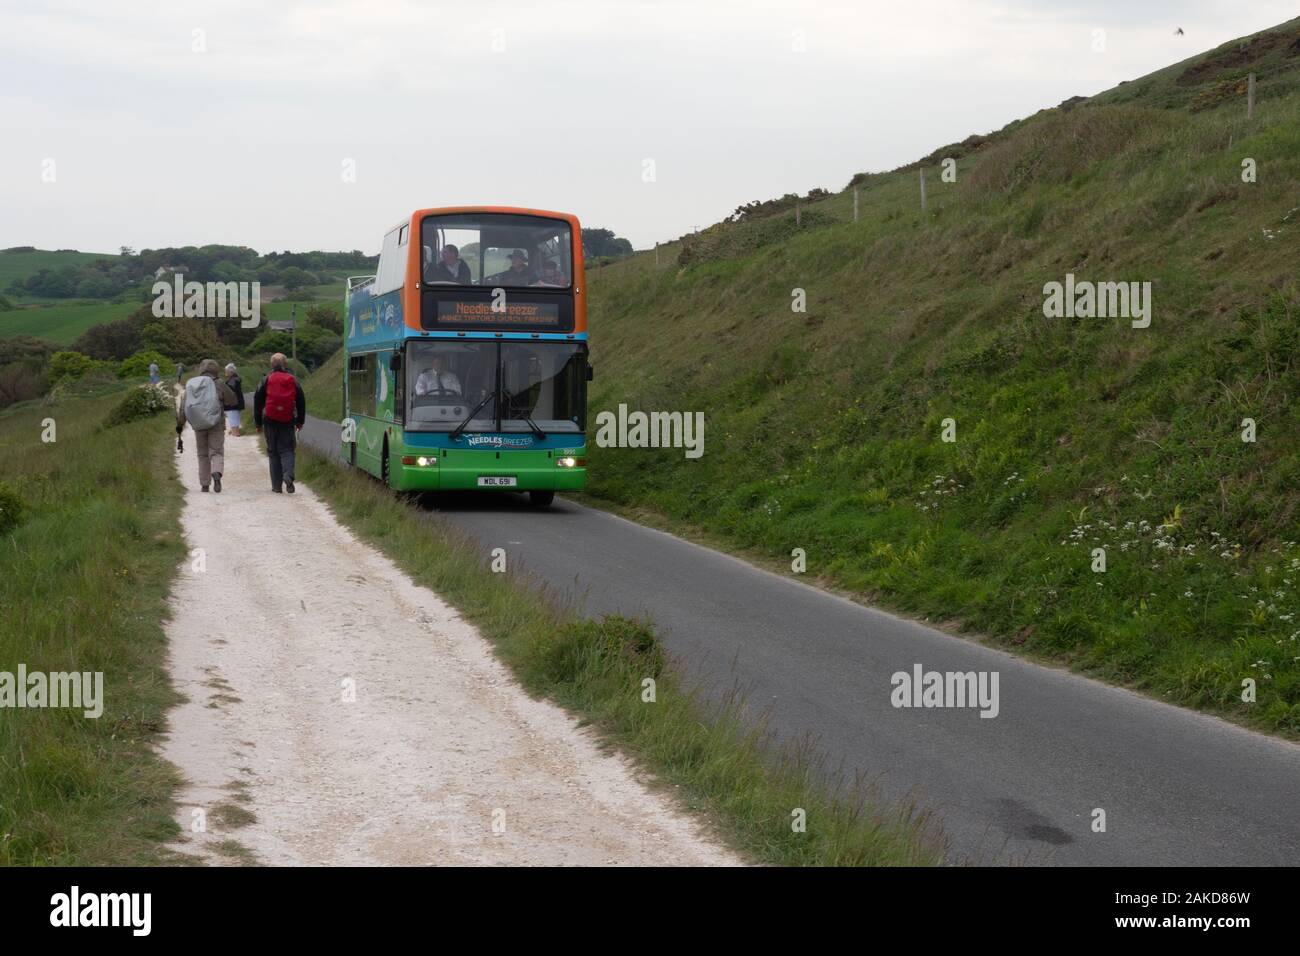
(20,265)
(824,427)
(83,581)
(61,323)
(324,389)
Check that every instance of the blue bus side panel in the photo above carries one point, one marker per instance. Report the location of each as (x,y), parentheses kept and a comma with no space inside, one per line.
(373,323)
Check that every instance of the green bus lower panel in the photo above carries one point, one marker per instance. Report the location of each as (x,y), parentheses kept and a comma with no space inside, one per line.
(460,469)
(485,470)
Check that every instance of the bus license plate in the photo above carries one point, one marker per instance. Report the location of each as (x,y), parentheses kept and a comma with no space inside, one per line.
(496,481)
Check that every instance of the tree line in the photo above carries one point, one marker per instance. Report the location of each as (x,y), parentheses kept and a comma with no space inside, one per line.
(133,273)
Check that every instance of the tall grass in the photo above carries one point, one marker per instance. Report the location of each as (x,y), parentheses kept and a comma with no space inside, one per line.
(83,584)
(323,389)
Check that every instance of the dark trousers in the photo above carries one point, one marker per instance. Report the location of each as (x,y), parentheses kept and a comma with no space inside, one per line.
(279,448)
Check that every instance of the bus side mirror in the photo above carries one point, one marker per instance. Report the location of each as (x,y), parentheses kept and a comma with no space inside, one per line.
(591,373)
(395,362)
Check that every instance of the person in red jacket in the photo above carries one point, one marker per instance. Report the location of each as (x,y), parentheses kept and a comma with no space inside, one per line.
(280,407)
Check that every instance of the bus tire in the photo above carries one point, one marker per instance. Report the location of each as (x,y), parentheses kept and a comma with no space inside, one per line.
(383,466)
(541,499)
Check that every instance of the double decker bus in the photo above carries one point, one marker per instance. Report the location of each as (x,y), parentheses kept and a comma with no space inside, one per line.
(467,354)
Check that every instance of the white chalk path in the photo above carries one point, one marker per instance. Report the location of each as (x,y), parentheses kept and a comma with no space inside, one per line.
(441,759)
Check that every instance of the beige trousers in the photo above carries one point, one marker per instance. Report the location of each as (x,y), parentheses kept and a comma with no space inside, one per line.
(211,446)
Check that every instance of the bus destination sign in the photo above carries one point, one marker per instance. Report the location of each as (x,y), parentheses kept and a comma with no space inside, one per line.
(505,313)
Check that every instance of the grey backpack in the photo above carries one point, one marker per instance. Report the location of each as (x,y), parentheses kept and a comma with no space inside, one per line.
(202,403)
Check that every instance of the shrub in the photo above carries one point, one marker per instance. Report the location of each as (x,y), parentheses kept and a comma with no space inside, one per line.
(315,343)
(141,403)
(19,382)
(11,508)
(69,366)
(327,317)
(110,340)
(187,340)
(137,365)
(26,348)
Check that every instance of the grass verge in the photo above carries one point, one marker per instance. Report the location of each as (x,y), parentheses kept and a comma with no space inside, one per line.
(84,580)
(718,759)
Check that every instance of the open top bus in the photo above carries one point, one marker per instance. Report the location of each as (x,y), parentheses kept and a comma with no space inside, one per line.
(467,354)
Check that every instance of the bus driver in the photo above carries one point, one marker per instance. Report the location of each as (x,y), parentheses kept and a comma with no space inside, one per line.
(434,379)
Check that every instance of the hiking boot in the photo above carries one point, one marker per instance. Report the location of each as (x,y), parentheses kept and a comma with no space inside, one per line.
(216,482)
(288,485)
(203,487)
(275,489)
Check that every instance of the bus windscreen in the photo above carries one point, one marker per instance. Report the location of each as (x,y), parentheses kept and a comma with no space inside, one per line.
(497,250)
(496,386)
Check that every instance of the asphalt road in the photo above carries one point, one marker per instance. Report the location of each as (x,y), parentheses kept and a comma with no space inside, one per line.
(1177,787)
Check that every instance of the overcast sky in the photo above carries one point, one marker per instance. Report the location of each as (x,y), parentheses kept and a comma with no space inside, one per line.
(239,133)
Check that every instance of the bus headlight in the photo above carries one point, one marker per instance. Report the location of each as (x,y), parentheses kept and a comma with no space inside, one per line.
(421,461)
(569,462)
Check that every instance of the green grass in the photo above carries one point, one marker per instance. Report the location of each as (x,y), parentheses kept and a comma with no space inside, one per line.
(719,762)
(281,310)
(61,323)
(824,428)
(324,389)
(21,265)
(83,584)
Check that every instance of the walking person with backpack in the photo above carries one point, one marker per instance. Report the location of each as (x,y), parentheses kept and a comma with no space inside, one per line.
(201,406)
(233,412)
(280,406)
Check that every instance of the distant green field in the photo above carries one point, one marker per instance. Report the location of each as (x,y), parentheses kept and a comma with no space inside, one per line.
(283,310)
(327,292)
(61,323)
(64,323)
(20,265)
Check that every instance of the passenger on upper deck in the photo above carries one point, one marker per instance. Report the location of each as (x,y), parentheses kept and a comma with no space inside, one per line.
(551,274)
(519,272)
(451,268)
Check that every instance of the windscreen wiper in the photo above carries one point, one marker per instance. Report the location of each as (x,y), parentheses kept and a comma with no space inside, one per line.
(534,426)
(531,424)
(459,429)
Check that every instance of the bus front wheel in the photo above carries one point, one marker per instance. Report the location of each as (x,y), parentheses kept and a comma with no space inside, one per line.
(541,499)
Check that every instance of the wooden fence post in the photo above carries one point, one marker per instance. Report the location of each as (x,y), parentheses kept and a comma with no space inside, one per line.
(1250,97)
(923,190)
(855,203)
